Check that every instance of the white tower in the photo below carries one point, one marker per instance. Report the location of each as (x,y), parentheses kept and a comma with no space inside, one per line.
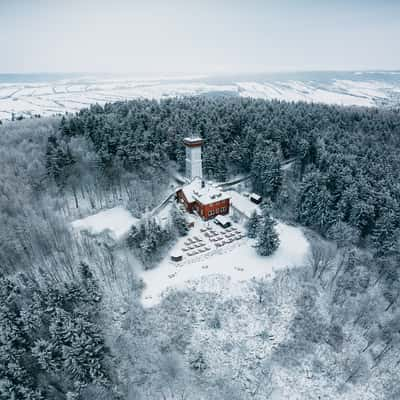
(193,157)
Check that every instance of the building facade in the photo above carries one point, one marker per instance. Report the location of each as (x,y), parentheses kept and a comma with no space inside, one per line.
(207,201)
(204,199)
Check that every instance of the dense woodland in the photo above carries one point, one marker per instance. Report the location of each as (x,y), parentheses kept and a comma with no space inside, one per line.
(62,293)
(348,164)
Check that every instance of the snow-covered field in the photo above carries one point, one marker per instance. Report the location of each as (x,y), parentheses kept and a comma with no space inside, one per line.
(117,221)
(238,261)
(342,92)
(60,96)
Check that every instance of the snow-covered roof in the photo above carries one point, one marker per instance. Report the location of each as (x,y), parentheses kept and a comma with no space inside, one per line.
(242,204)
(193,141)
(204,195)
(176,254)
(255,196)
(223,220)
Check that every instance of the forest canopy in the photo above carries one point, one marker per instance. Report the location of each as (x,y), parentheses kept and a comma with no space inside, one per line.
(347,158)
(72,323)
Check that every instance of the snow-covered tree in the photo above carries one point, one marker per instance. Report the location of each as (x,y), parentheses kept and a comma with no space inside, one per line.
(179,221)
(252,224)
(315,206)
(266,170)
(267,237)
(148,240)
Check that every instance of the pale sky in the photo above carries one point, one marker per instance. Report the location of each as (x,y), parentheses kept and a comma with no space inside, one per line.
(202,36)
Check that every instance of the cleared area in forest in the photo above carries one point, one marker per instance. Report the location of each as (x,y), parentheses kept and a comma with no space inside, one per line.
(117,221)
(237,260)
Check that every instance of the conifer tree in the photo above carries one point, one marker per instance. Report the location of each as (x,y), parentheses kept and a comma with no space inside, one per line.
(315,204)
(266,170)
(179,221)
(385,234)
(252,225)
(267,237)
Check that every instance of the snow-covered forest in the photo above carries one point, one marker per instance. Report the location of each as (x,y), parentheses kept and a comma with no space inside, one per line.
(71,320)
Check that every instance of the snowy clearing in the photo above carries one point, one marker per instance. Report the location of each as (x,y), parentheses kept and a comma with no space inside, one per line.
(116,220)
(237,260)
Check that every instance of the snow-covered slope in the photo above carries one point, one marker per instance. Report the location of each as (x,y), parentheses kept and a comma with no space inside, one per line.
(73,93)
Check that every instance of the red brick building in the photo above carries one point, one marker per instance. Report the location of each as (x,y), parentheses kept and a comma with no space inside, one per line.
(206,200)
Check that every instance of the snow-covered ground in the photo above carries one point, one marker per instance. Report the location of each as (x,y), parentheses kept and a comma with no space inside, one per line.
(117,221)
(60,97)
(345,95)
(48,98)
(238,261)
(208,251)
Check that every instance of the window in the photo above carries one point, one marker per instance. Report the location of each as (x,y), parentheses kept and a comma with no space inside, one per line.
(222,209)
(217,210)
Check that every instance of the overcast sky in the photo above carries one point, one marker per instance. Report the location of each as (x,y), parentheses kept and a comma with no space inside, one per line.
(202,36)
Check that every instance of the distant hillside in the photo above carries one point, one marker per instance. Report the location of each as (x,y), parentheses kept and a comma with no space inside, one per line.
(47,94)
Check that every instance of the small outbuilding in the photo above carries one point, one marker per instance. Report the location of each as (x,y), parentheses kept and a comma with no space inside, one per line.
(176,257)
(222,221)
(255,198)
